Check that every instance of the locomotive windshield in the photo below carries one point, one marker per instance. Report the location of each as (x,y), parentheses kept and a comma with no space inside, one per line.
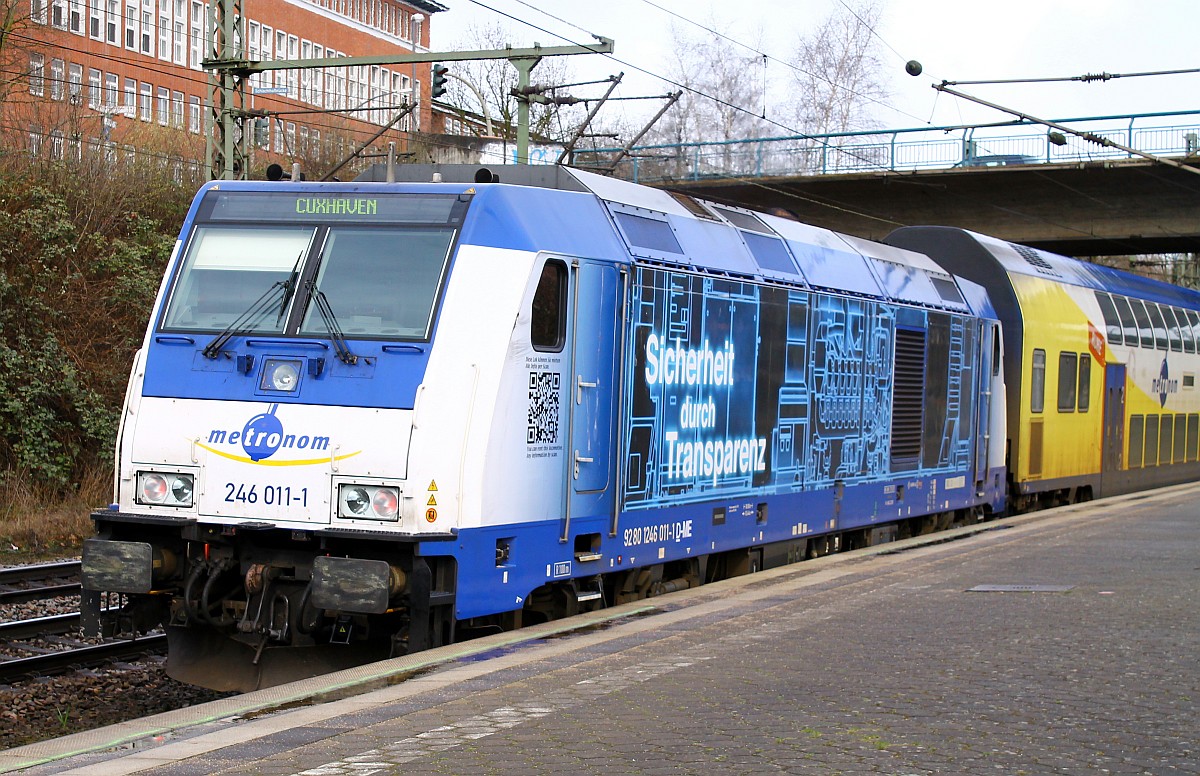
(378,262)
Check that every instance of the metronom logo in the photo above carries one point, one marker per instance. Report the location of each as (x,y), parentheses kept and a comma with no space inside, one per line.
(263,435)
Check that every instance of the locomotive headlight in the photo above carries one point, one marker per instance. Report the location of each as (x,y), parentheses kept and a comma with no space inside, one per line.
(354,501)
(369,502)
(280,375)
(168,489)
(181,488)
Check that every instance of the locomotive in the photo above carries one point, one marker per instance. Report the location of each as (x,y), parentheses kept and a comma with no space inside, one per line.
(373,417)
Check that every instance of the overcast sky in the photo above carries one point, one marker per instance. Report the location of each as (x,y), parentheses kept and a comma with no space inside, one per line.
(955,40)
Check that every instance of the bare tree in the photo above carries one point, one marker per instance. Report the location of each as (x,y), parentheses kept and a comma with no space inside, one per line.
(724,90)
(494,80)
(837,77)
(838,74)
(723,86)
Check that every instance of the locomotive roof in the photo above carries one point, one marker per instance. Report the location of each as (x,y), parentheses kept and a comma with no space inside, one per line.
(660,226)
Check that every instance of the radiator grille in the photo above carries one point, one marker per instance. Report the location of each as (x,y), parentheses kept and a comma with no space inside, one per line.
(908,392)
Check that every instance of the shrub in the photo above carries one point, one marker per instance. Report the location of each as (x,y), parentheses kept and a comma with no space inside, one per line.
(82,250)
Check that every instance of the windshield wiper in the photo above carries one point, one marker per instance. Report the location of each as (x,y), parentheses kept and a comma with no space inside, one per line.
(249,320)
(289,288)
(335,331)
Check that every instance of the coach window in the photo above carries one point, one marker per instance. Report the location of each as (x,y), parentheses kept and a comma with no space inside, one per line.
(1085,381)
(1136,439)
(1143,323)
(1066,381)
(548,317)
(1193,325)
(1128,322)
(1037,388)
(1172,327)
(1185,330)
(1112,321)
(1160,326)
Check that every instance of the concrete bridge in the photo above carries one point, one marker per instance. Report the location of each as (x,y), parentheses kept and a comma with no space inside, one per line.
(1010,180)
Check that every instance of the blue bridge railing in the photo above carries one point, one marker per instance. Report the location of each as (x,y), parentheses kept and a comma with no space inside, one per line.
(1018,142)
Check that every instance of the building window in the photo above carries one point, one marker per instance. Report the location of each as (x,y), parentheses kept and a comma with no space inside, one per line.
(280,53)
(147,33)
(267,78)
(130,97)
(177,110)
(164,29)
(94,95)
(112,85)
(318,77)
(37,11)
(305,75)
(180,28)
(35,141)
(196,39)
(113,23)
(37,74)
(147,101)
(75,84)
(77,17)
(58,13)
(164,105)
(194,115)
(293,49)
(131,16)
(95,12)
(58,79)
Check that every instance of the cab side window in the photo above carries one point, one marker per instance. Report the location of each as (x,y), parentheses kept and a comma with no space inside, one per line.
(548,317)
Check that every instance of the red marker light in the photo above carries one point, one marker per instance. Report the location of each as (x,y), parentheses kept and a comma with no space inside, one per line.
(385,502)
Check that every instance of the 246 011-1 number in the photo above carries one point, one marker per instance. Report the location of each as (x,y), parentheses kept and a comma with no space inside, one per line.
(268,495)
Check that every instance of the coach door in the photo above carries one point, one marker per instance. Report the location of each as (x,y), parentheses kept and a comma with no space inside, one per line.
(594,351)
(1114,427)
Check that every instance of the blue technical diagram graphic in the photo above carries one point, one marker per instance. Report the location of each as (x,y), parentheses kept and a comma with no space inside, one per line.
(737,387)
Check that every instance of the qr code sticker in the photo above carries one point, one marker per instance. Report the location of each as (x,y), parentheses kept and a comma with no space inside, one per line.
(543,408)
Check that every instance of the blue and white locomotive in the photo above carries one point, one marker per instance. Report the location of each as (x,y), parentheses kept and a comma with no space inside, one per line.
(369,418)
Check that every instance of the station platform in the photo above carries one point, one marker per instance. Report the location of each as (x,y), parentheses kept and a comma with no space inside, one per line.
(1060,642)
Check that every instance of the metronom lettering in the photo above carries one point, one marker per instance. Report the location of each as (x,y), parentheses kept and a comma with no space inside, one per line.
(270,439)
(338,206)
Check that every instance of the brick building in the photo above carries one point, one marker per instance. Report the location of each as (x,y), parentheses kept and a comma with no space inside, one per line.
(125,76)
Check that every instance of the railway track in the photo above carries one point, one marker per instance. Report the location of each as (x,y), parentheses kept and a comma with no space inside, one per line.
(22,584)
(46,645)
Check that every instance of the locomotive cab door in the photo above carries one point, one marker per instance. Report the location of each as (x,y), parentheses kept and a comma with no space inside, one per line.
(594,329)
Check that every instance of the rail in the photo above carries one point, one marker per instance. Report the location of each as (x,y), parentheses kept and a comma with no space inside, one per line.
(1174,134)
(16,587)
